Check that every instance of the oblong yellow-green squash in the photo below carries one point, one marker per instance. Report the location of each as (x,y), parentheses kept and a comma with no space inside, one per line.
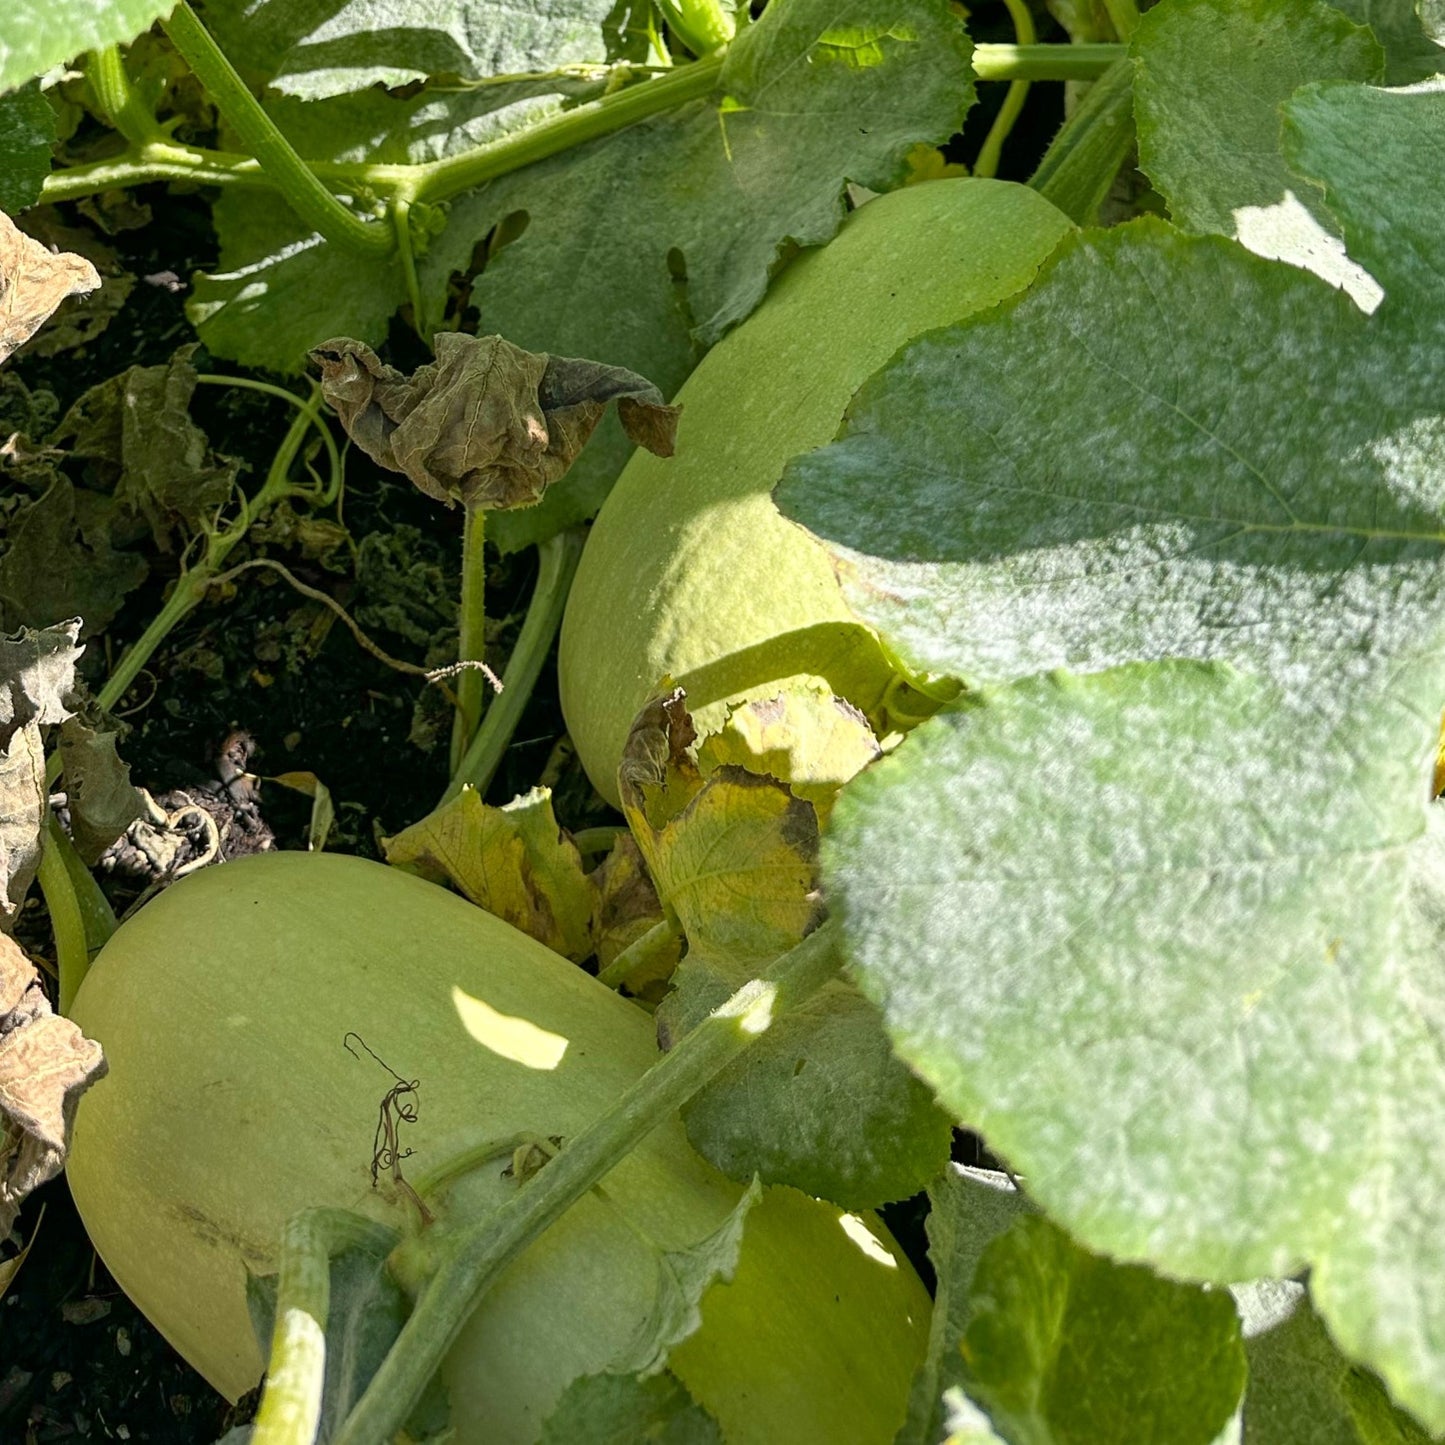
(690,570)
(231,1103)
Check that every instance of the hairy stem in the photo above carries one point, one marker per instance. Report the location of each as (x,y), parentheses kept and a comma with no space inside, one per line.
(302,189)
(472,644)
(558,558)
(1079,167)
(106,73)
(290,1409)
(478,1254)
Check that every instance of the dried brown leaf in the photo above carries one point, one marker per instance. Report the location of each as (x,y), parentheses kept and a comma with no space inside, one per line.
(627,906)
(485,424)
(46,1064)
(33,282)
(37,673)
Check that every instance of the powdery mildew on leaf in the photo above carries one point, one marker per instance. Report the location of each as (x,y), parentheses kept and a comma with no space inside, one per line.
(1151,923)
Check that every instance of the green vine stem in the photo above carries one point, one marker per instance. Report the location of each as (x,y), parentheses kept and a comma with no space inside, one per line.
(653,945)
(290,1409)
(1013,102)
(1123,15)
(437,181)
(191,586)
(1079,167)
(106,73)
(472,643)
(478,1253)
(558,558)
(302,189)
(67,921)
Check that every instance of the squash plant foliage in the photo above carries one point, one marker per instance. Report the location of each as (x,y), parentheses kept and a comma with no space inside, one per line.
(1156,903)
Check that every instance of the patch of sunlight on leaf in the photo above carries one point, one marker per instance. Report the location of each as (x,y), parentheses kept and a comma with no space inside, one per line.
(1286,231)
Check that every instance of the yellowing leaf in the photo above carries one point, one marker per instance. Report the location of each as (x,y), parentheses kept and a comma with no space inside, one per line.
(736,861)
(514,861)
(806,737)
(626,907)
(46,1063)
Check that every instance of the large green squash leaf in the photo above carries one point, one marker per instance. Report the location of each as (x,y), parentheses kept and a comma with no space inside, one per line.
(318,48)
(39,34)
(1152,924)
(1211,78)
(640,249)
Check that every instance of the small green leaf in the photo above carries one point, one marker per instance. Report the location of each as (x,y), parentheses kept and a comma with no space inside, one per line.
(27,132)
(1211,77)
(968,1209)
(514,861)
(40,34)
(628,1410)
(684,1276)
(1064,1346)
(1302,1390)
(1391,227)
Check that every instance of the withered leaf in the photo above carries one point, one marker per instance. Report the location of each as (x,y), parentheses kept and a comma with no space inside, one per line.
(733,855)
(627,906)
(137,429)
(102,801)
(59,562)
(514,861)
(485,424)
(33,282)
(46,1064)
(821,1102)
(806,735)
(37,673)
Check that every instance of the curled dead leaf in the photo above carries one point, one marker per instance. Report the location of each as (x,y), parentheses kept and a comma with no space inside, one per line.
(46,1064)
(33,282)
(37,674)
(485,424)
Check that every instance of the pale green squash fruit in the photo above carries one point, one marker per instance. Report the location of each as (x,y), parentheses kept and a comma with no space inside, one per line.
(690,571)
(231,1103)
